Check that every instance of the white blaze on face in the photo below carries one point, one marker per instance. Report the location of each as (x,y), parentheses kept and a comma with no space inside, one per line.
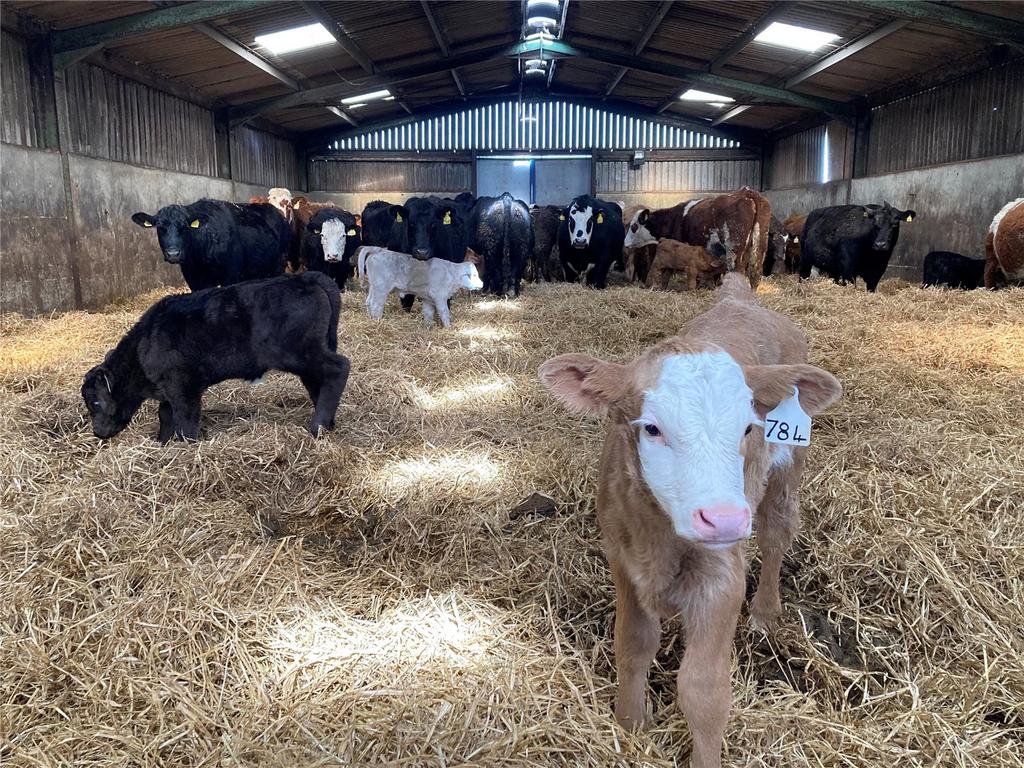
(581,225)
(702,407)
(471,278)
(280,198)
(638,235)
(332,238)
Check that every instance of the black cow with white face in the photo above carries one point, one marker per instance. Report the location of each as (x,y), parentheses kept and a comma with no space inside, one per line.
(220,243)
(590,239)
(850,241)
(329,242)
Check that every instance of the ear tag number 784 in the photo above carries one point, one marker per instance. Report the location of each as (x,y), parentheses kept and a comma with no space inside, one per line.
(787,423)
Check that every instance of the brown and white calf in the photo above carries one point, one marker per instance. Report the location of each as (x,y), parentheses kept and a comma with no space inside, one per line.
(1004,245)
(695,262)
(685,467)
(434,281)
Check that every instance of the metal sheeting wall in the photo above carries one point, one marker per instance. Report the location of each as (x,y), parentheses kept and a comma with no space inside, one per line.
(797,160)
(118,119)
(20,112)
(617,176)
(258,157)
(977,116)
(455,175)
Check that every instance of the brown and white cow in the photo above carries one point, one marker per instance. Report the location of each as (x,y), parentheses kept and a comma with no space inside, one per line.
(738,222)
(794,226)
(1004,245)
(685,463)
(695,262)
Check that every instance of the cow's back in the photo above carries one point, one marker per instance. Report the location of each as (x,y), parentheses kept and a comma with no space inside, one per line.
(1007,239)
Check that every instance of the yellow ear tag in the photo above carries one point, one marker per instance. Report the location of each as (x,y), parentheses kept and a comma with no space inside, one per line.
(351,232)
(561,217)
(194,224)
(447,218)
(398,217)
(909,219)
(147,223)
(600,218)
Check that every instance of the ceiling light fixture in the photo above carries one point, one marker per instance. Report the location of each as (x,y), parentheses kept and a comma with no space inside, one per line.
(792,36)
(288,40)
(711,98)
(364,97)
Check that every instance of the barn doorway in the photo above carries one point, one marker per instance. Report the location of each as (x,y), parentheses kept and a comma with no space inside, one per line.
(537,180)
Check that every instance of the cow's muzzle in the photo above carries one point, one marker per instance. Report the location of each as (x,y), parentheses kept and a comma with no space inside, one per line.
(422,253)
(332,258)
(172,256)
(579,244)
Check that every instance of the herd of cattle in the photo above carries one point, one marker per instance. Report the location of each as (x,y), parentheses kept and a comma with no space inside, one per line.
(221,243)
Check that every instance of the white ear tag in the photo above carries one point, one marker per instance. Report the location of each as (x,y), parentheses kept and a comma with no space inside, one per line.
(787,423)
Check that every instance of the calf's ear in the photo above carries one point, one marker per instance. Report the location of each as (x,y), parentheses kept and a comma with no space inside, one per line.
(583,383)
(142,219)
(772,384)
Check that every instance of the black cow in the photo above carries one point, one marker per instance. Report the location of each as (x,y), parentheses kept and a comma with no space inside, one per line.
(329,242)
(184,344)
(502,235)
(386,225)
(545,263)
(777,241)
(850,241)
(221,243)
(590,239)
(953,270)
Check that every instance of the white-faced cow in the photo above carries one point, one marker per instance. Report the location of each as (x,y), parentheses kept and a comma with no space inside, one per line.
(684,468)
(329,242)
(1004,245)
(590,239)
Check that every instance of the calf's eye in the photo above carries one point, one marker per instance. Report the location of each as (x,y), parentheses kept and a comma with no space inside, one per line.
(749,427)
(652,430)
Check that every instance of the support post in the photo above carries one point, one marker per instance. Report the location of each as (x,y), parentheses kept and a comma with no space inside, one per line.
(64,146)
(222,143)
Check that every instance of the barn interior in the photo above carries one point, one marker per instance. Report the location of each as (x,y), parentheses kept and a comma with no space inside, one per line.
(426,586)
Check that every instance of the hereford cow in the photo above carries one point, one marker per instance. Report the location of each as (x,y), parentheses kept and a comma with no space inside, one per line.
(694,262)
(1004,245)
(850,241)
(590,239)
(184,344)
(220,243)
(545,263)
(739,222)
(685,462)
(329,241)
(942,268)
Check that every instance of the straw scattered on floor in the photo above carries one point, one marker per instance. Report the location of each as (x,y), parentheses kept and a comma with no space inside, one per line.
(263,598)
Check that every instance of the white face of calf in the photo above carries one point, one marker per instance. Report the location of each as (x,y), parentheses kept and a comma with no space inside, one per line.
(471,278)
(691,429)
(581,225)
(332,238)
(637,236)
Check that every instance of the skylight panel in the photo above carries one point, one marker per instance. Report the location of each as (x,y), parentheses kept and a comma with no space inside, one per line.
(792,36)
(364,97)
(710,98)
(288,40)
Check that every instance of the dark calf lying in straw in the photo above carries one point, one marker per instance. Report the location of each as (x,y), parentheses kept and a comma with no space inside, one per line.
(184,344)
(685,463)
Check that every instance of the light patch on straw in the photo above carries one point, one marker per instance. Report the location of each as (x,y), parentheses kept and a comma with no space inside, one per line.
(449,396)
(485,333)
(498,305)
(476,471)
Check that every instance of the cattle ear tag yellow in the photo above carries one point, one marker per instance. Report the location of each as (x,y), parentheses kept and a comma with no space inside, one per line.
(147,223)
(600,218)
(398,217)
(447,218)
(351,232)
(909,219)
(194,224)
(561,217)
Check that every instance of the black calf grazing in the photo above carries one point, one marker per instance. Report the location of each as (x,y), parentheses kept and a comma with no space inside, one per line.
(184,344)
(953,270)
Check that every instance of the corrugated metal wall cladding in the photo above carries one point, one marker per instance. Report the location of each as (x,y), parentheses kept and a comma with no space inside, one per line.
(118,119)
(615,176)
(406,176)
(797,159)
(20,116)
(978,116)
(261,158)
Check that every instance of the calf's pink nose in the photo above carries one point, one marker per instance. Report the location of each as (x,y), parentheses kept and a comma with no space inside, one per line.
(722,522)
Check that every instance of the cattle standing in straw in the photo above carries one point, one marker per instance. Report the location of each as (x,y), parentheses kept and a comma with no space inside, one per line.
(590,239)
(738,222)
(184,344)
(329,241)
(694,262)
(435,281)
(386,225)
(684,463)
(1004,245)
(500,231)
(220,243)
(778,239)
(850,241)
(281,198)
(545,263)
(794,228)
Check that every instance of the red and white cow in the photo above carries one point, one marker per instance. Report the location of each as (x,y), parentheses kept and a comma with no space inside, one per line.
(685,466)
(1004,245)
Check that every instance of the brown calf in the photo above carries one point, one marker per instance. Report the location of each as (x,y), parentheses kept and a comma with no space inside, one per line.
(794,226)
(684,463)
(672,256)
(1004,245)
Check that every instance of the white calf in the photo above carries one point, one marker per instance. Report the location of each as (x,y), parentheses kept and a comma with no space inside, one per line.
(433,280)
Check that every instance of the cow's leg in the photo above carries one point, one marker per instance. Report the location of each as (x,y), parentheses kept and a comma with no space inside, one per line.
(637,634)
(186,409)
(375,301)
(991,269)
(333,377)
(166,422)
(778,520)
(444,313)
(691,279)
(705,690)
(428,311)
(312,385)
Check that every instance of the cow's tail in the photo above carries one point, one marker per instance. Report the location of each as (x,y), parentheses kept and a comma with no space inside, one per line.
(361,263)
(507,278)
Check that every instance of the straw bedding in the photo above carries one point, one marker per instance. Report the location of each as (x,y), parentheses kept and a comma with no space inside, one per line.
(380,598)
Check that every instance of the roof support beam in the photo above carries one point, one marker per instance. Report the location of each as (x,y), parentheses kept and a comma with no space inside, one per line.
(339,34)
(244,53)
(824,63)
(64,40)
(949,16)
(442,42)
(344,116)
(747,37)
(641,43)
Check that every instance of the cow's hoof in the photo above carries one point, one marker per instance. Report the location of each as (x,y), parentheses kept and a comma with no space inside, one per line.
(764,618)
